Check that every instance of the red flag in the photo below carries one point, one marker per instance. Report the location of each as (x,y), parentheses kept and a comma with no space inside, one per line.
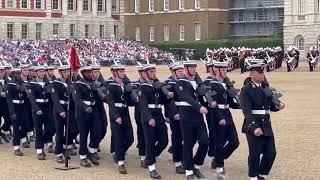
(74,60)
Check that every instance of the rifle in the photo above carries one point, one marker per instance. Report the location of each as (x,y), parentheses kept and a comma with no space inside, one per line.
(206,92)
(231,90)
(272,92)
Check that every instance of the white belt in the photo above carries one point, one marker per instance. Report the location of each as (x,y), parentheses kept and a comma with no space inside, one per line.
(63,102)
(89,103)
(17,101)
(42,100)
(182,103)
(120,105)
(223,106)
(154,106)
(260,111)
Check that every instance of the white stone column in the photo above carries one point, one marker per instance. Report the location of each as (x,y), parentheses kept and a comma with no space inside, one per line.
(109,7)
(94,7)
(80,7)
(64,7)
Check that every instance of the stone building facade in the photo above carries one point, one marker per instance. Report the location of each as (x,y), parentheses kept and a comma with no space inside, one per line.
(45,19)
(302,24)
(175,20)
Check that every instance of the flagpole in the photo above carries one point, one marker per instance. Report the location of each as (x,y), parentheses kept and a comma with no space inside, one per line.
(66,161)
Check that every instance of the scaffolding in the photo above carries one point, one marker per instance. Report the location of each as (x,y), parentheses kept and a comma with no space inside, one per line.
(255,17)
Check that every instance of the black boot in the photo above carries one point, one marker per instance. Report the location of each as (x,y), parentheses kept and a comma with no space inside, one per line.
(261,178)
(74,146)
(213,164)
(6,137)
(197,173)
(85,163)
(170,150)
(154,174)
(32,138)
(221,175)
(50,148)
(93,159)
(122,169)
(192,176)
(25,145)
(143,164)
(18,152)
(60,159)
(180,170)
(41,156)
(71,152)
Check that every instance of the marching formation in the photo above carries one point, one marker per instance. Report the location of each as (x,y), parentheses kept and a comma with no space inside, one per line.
(73,105)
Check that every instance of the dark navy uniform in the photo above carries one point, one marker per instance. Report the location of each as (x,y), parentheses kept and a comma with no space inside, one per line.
(60,98)
(156,137)
(17,108)
(141,145)
(226,139)
(39,93)
(84,100)
(256,107)
(4,113)
(193,126)
(118,101)
(172,110)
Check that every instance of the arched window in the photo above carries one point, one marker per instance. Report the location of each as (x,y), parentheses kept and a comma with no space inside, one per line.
(299,41)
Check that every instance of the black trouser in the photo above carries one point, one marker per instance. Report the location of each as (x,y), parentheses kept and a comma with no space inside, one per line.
(264,145)
(191,134)
(226,142)
(122,134)
(100,126)
(211,137)
(311,66)
(51,119)
(176,139)
(140,135)
(61,124)
(28,117)
(4,113)
(156,139)
(19,124)
(88,122)
(43,135)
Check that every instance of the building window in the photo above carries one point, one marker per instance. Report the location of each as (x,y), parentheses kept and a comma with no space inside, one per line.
(38,4)
(24,4)
(55,29)
(55,4)
(38,31)
(138,34)
(166,32)
(10,3)
(151,33)
(197,30)
(72,30)
(181,4)
(10,30)
(300,43)
(100,5)
(151,5)
(70,5)
(101,31)
(24,31)
(166,5)
(197,4)
(181,32)
(85,5)
(301,6)
(115,6)
(86,31)
(137,6)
